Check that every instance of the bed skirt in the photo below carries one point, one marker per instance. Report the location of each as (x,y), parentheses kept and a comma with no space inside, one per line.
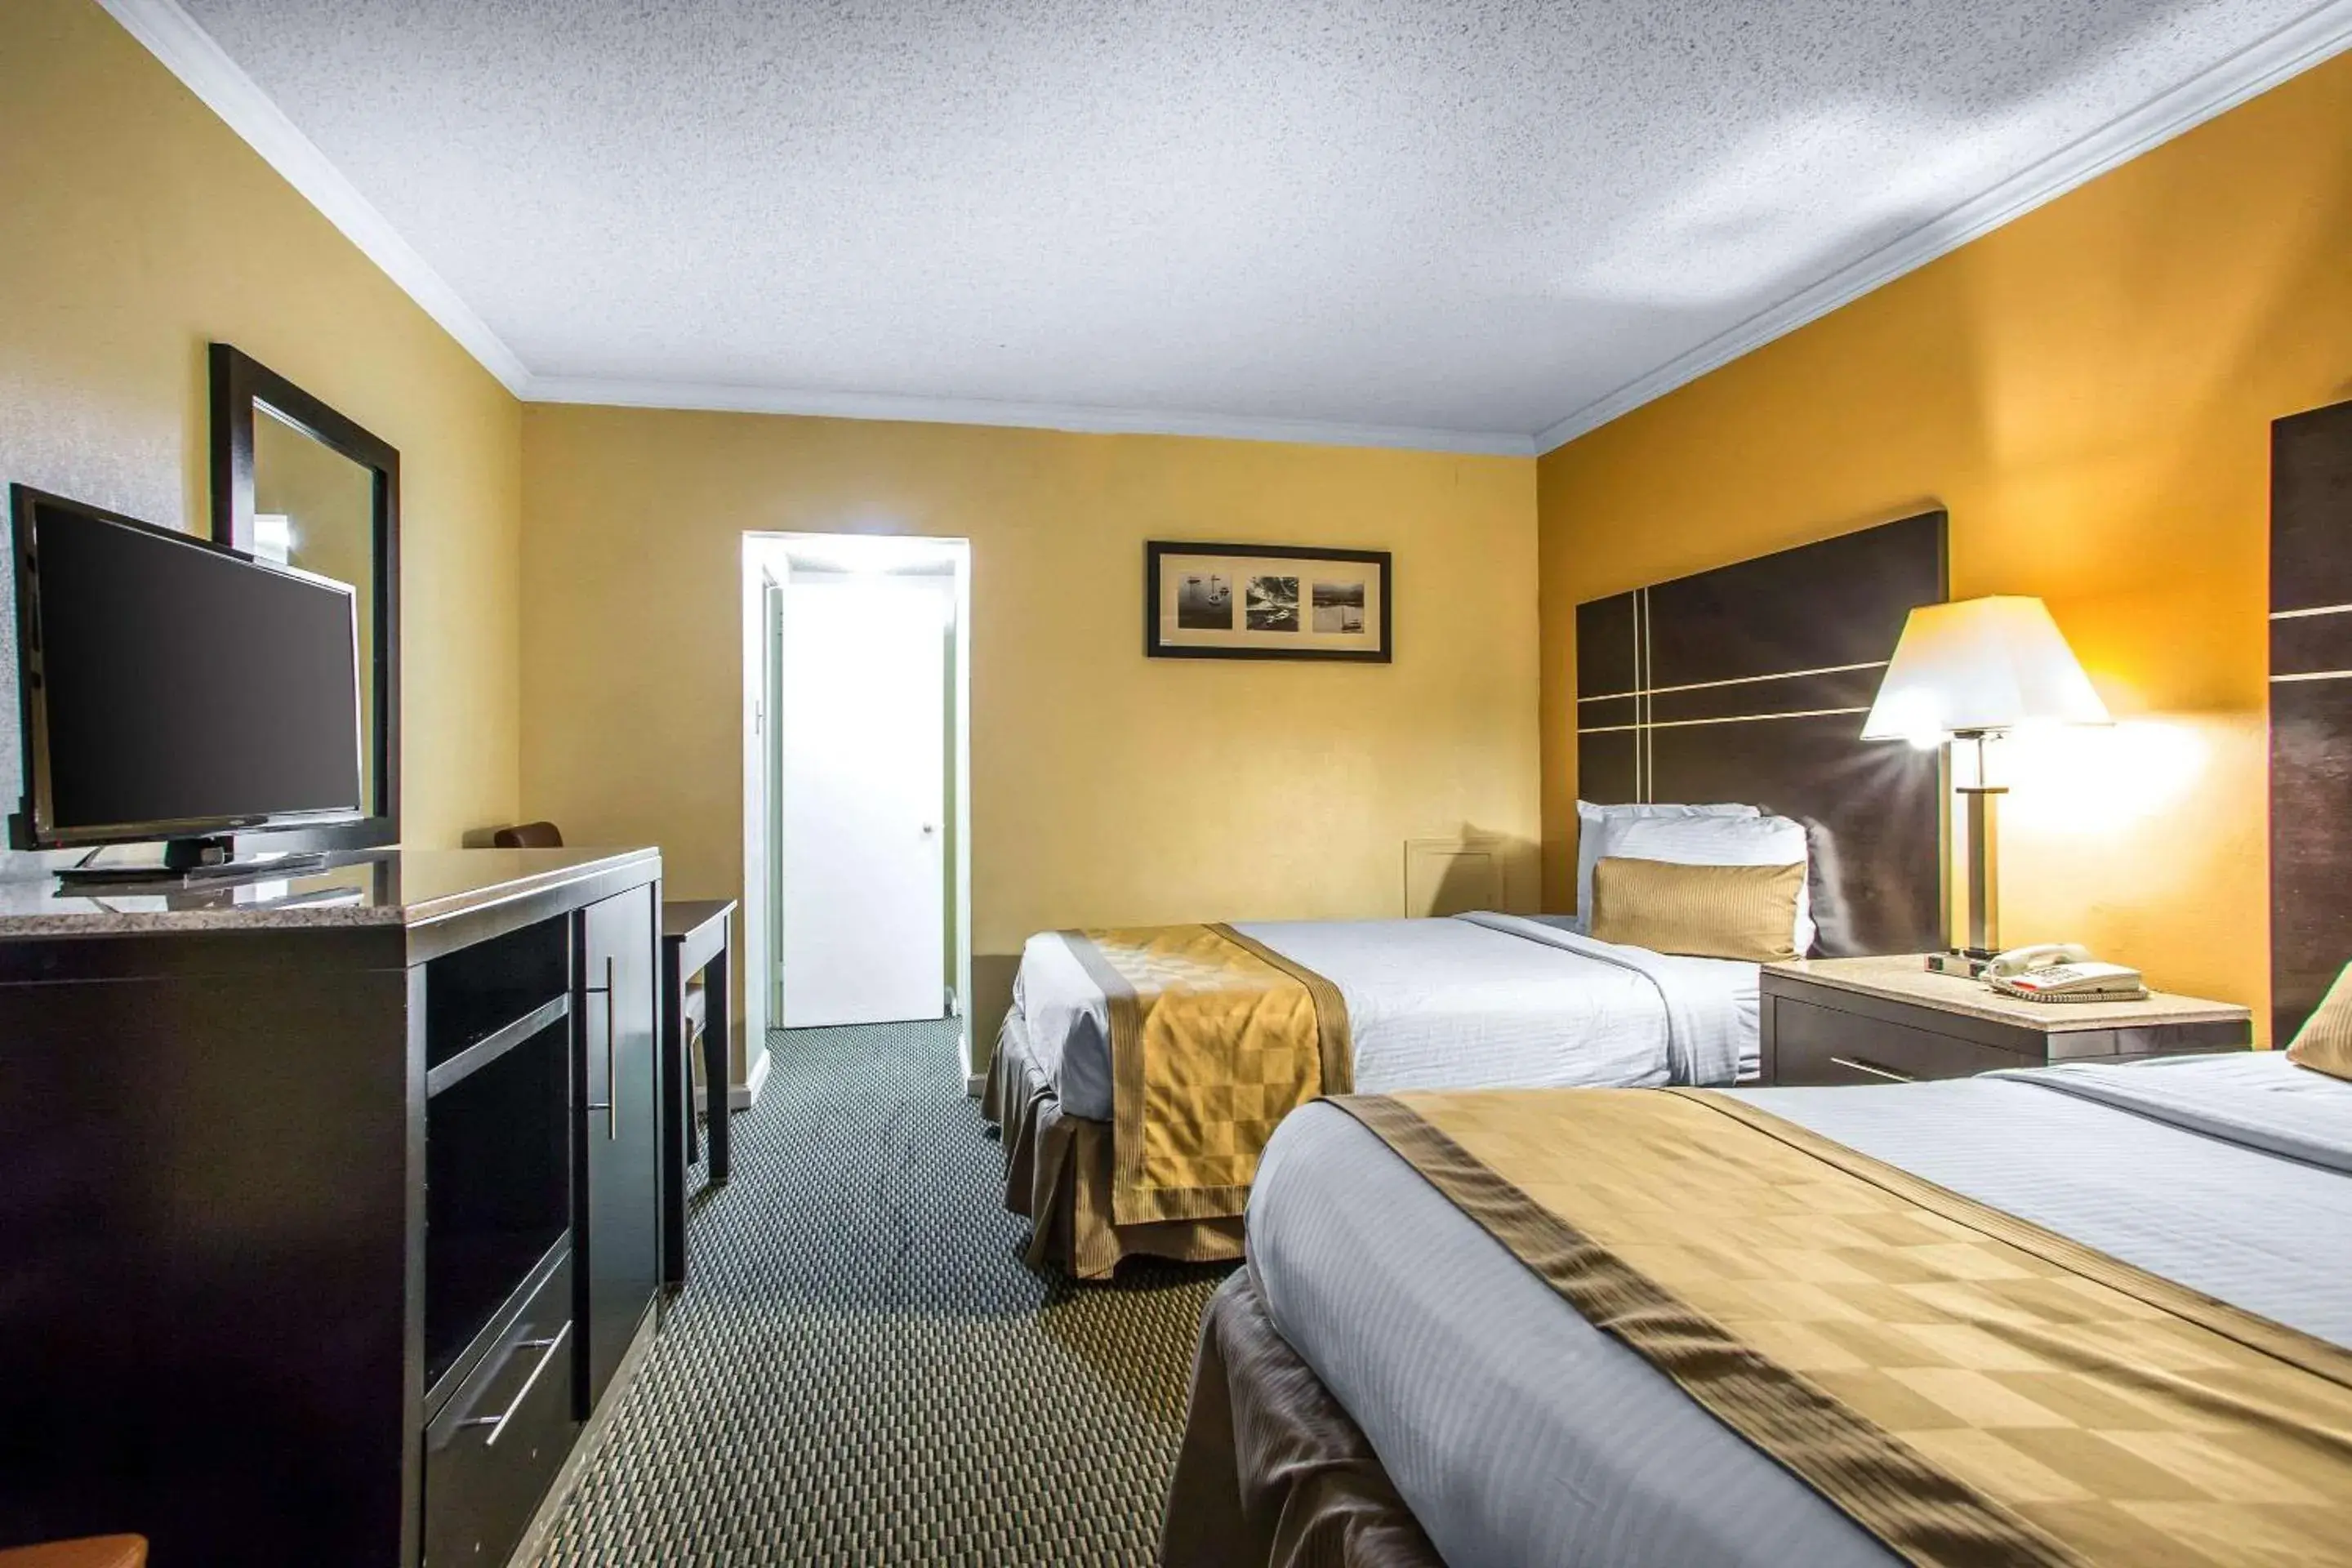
(1273,1470)
(1058,1174)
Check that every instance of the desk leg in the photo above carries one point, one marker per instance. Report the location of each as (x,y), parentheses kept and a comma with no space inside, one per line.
(718,1036)
(676,1111)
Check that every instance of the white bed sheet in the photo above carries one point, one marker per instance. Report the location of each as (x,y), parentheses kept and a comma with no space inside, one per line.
(1446,1003)
(1519,1433)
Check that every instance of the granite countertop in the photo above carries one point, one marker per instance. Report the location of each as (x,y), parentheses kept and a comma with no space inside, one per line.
(384,888)
(1907,978)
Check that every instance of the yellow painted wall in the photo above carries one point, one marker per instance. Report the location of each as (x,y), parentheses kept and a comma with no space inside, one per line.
(140,228)
(2090,391)
(1106,786)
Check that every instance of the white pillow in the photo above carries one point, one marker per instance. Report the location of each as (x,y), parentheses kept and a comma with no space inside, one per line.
(1592,822)
(1718,841)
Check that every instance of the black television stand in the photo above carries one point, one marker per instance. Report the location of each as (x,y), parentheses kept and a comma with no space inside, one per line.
(327,1228)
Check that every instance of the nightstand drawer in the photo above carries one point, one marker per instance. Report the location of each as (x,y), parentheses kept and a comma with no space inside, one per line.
(1818,1044)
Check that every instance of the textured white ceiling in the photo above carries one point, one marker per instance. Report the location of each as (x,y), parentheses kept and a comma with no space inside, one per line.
(1484,217)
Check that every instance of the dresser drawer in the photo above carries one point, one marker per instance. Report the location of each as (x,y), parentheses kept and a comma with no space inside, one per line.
(1816,1044)
(494,1447)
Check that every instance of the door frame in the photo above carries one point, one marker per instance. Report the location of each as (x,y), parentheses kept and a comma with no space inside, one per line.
(771,742)
(767,562)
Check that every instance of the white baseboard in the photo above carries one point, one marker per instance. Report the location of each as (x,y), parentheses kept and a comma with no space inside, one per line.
(745,1095)
(973,1083)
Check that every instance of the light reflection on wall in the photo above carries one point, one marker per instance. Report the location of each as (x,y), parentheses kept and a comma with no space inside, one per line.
(2118,838)
(2097,783)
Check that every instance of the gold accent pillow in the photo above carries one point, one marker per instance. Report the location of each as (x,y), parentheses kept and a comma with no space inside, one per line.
(2323,1044)
(1701,911)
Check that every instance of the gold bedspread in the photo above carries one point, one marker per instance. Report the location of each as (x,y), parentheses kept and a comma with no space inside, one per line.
(1969,1387)
(1213,1039)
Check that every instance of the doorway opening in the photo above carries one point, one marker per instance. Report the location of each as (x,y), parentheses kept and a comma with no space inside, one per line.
(857,780)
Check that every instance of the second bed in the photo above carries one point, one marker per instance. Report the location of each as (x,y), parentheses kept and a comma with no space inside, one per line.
(1473,1000)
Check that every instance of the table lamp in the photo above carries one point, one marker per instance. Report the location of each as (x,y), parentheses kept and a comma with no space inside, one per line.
(1973,672)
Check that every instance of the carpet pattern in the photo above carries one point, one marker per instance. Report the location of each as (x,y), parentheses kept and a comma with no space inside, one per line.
(861,1370)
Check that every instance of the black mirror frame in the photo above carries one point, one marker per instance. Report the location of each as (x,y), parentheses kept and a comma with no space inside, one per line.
(239,381)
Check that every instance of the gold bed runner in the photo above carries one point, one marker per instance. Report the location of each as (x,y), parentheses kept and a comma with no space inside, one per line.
(1971,1388)
(1213,1039)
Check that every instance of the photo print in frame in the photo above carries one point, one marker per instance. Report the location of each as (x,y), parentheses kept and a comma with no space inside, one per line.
(1266,601)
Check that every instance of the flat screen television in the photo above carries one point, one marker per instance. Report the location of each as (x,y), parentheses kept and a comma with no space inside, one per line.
(173,689)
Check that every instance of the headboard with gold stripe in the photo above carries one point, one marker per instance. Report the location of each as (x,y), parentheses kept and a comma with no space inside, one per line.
(1749,683)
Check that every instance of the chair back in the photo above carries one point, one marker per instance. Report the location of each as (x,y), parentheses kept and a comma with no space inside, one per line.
(528,835)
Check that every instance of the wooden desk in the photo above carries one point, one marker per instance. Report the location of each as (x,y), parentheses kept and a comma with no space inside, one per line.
(696,939)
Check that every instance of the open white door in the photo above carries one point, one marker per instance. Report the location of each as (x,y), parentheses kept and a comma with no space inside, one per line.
(864,773)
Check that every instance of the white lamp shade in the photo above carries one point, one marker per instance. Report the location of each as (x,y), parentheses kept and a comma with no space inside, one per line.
(1981,664)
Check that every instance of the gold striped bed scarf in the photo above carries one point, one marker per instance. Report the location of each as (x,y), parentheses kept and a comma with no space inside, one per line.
(1968,1388)
(1213,1039)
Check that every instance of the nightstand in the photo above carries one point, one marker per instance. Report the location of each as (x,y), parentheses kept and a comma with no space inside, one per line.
(1887,1020)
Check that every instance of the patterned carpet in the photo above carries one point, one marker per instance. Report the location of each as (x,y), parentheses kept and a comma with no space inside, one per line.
(861,1370)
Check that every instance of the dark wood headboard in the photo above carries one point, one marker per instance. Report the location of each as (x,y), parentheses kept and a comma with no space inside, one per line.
(1749,683)
(2311,710)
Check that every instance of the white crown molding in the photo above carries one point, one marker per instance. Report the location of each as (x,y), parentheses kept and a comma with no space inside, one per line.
(190,53)
(1078,418)
(2295,48)
(169,33)
(172,36)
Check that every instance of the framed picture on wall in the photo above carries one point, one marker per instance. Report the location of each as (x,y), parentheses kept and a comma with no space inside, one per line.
(1265,601)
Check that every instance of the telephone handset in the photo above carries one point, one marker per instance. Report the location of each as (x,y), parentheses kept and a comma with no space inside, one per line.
(2062,972)
(2042,955)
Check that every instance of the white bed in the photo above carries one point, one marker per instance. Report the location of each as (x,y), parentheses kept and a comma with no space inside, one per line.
(1472,1001)
(1423,1326)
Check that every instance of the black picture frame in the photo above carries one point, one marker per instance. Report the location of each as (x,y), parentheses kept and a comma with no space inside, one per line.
(239,383)
(1156,550)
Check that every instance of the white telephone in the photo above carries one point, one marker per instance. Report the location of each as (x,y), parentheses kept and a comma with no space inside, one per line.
(2062,972)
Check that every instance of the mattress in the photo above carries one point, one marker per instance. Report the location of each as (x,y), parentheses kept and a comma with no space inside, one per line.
(1479,1001)
(1517,1433)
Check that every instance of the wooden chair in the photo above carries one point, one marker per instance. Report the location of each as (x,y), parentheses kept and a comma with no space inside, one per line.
(522,836)
(93,1551)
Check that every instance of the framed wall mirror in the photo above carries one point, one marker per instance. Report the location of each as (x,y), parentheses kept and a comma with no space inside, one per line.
(295,482)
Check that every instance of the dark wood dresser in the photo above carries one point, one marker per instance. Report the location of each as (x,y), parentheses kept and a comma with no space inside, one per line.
(1888,1020)
(329,1208)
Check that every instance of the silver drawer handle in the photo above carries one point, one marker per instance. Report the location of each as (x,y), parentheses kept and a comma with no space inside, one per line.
(1874,1069)
(611,1104)
(548,1348)
(612,1060)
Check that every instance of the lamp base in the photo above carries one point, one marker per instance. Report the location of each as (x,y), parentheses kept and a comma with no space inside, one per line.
(1965,964)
